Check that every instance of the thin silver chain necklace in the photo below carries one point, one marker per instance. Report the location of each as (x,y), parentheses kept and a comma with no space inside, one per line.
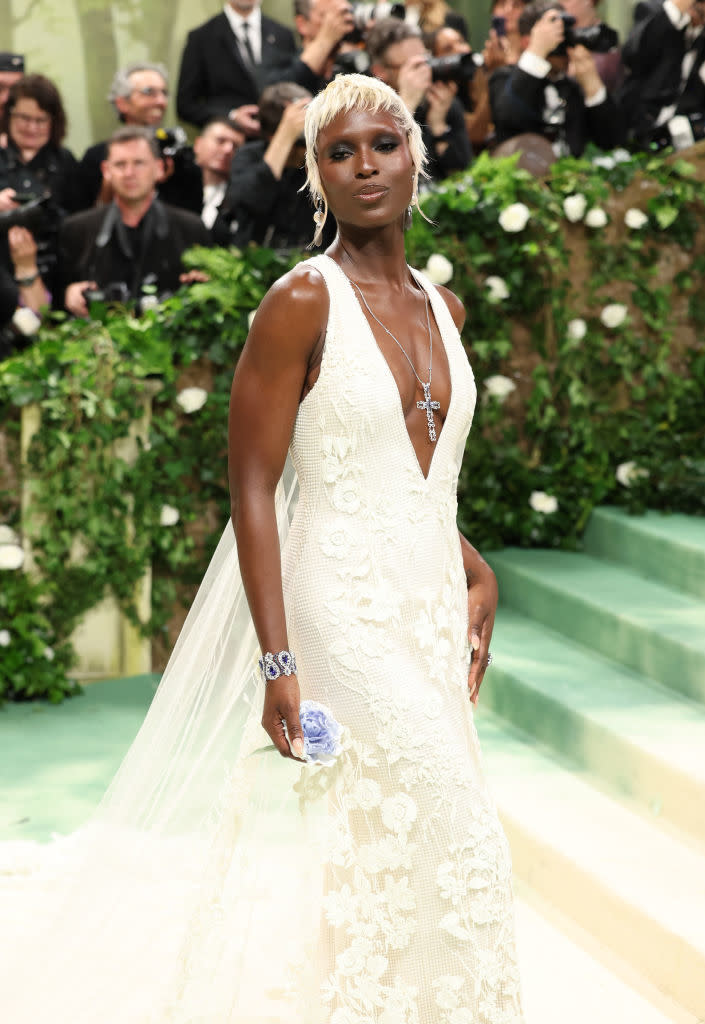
(428,406)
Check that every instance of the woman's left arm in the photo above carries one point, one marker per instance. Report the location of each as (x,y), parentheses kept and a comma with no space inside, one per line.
(482,584)
(482,607)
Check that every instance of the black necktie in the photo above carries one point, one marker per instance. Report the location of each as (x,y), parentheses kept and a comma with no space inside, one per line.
(248,54)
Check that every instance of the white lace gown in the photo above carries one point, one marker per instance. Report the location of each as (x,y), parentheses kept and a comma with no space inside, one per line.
(419,903)
(220,885)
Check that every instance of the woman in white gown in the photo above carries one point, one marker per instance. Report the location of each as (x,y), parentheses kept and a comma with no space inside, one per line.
(218,883)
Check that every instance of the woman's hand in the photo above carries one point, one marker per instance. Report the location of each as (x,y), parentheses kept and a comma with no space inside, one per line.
(7,200)
(23,251)
(482,607)
(281,705)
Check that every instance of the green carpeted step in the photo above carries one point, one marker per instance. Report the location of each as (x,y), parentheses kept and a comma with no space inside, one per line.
(638,737)
(633,886)
(57,761)
(669,548)
(657,631)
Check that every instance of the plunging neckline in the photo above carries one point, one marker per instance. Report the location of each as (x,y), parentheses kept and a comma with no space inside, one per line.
(392,379)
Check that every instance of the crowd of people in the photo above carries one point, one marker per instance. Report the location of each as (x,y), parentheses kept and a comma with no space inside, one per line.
(551,77)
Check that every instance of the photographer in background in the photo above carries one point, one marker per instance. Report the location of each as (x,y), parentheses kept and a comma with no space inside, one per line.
(473,90)
(554,90)
(323,25)
(214,150)
(609,63)
(664,92)
(398,56)
(134,242)
(140,95)
(268,206)
(37,174)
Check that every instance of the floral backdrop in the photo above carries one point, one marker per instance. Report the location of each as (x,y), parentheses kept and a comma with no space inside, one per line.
(584,329)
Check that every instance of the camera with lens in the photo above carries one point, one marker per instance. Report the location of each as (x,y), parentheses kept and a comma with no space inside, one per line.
(171,141)
(364,13)
(31,213)
(114,292)
(458,67)
(598,38)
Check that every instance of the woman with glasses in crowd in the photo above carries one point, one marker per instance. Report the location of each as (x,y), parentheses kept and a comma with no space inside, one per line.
(36,166)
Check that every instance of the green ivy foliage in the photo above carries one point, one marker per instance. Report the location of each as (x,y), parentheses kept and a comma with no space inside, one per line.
(578,407)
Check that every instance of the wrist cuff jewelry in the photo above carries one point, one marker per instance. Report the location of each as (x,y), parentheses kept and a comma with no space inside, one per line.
(274,665)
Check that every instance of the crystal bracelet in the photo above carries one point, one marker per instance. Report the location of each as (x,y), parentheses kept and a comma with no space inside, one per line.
(274,665)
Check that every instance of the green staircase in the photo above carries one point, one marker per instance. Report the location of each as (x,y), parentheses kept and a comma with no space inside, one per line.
(592,721)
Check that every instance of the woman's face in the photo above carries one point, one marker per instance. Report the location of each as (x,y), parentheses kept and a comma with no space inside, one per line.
(366,168)
(30,126)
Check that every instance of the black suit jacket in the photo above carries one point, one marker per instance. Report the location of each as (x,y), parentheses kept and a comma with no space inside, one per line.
(93,247)
(653,56)
(517,101)
(214,78)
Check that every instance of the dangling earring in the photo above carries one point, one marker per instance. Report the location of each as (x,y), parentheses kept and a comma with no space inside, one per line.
(319,216)
(408,213)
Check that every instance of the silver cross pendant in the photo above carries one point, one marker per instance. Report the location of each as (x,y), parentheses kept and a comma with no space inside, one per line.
(428,407)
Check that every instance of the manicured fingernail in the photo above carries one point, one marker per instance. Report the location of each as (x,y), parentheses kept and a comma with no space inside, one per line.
(298,746)
(475,641)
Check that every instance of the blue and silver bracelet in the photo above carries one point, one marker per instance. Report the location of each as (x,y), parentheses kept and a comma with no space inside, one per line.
(274,665)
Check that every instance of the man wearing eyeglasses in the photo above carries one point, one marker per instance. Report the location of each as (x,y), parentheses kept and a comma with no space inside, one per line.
(140,96)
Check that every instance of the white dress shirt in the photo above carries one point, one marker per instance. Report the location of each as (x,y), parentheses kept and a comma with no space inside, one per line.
(254,31)
(212,198)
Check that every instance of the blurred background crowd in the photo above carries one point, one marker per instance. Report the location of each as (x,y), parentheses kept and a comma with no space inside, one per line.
(549,79)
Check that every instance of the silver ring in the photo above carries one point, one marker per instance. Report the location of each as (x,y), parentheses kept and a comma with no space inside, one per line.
(489,659)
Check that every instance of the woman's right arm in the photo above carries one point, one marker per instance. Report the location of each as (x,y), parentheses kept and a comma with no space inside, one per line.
(271,375)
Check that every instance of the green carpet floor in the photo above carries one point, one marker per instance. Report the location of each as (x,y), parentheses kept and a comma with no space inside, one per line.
(55,762)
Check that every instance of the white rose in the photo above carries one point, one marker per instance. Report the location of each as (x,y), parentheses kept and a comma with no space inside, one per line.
(608,163)
(26,321)
(149,302)
(628,473)
(11,556)
(499,386)
(514,218)
(399,812)
(596,218)
(49,653)
(169,516)
(544,503)
(250,317)
(574,207)
(8,535)
(5,638)
(497,288)
(635,219)
(577,329)
(192,399)
(621,156)
(439,269)
(613,315)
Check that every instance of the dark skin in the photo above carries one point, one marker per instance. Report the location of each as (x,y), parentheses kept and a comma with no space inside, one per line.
(358,150)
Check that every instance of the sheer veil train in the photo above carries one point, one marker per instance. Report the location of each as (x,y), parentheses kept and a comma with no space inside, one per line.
(170,887)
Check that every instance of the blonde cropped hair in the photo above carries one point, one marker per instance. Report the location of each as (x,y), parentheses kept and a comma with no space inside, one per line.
(356,92)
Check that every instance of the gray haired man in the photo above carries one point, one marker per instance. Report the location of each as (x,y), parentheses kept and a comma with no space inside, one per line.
(140,95)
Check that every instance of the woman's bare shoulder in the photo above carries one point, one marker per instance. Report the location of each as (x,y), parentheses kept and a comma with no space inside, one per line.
(457,309)
(299,296)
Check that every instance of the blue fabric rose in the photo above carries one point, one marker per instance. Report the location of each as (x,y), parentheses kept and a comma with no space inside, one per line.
(321,732)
